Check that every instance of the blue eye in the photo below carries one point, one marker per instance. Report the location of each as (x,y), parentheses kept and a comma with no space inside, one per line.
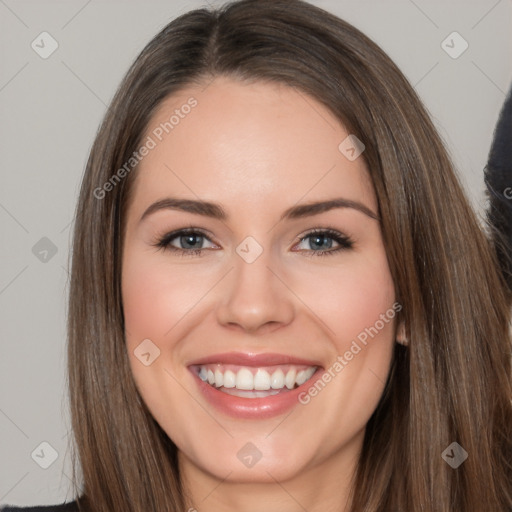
(190,242)
(323,238)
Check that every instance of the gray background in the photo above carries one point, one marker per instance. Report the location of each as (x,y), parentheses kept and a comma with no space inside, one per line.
(49,112)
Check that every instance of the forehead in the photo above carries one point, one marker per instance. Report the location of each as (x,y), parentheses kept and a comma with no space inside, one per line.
(248,144)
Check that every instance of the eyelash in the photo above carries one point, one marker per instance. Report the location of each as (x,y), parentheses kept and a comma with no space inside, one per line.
(344,242)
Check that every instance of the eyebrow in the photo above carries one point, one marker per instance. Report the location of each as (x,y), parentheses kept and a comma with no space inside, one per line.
(216,211)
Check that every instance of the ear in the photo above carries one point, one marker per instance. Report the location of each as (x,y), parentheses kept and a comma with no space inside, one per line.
(401,336)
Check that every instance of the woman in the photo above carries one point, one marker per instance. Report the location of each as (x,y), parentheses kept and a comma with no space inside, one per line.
(280,297)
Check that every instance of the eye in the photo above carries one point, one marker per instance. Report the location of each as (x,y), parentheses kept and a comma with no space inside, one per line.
(185,241)
(322,239)
(189,242)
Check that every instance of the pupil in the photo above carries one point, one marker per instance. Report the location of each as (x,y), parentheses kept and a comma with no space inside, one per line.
(320,239)
(191,240)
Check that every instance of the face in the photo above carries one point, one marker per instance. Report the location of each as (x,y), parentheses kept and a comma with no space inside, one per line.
(259,328)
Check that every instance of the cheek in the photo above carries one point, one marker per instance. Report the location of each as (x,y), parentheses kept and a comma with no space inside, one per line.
(349,298)
(356,304)
(156,297)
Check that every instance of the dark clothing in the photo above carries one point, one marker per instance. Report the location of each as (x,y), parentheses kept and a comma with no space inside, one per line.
(498,178)
(66,507)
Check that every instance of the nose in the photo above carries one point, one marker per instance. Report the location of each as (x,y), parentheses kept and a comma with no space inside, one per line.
(256,298)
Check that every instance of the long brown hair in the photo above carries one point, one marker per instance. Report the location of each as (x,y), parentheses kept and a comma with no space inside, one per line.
(452,383)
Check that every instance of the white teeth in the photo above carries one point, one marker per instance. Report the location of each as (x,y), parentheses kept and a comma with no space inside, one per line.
(290,379)
(309,373)
(277,380)
(244,379)
(301,377)
(250,394)
(203,373)
(229,379)
(262,380)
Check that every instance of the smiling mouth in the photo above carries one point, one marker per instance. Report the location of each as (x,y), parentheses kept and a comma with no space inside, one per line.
(253,382)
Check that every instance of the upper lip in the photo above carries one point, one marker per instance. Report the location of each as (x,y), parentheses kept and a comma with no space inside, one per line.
(253,359)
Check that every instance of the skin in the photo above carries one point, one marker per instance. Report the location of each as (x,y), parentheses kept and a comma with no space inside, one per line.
(257,149)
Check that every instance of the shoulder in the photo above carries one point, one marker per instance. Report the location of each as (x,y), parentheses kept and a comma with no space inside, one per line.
(65,507)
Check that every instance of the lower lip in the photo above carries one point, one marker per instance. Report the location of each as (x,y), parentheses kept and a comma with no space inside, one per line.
(253,408)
